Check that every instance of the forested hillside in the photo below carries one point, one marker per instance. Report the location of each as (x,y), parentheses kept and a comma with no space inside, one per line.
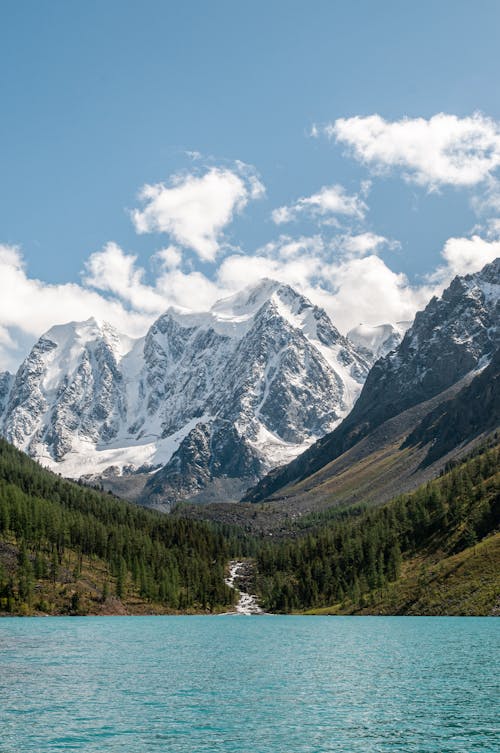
(365,561)
(65,548)
(69,549)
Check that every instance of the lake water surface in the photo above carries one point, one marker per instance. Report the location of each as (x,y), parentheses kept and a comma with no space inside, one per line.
(249,684)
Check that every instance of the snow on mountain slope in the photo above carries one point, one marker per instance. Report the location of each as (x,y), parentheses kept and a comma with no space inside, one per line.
(379,339)
(68,389)
(6,380)
(225,394)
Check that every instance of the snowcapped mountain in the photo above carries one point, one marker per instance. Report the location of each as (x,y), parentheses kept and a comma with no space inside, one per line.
(206,400)
(452,339)
(379,339)
(6,380)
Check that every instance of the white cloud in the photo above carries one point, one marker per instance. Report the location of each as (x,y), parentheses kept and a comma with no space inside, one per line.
(114,289)
(351,290)
(465,256)
(492,229)
(6,341)
(443,150)
(488,201)
(364,243)
(194,209)
(345,276)
(288,247)
(323,205)
(343,273)
(113,271)
(28,307)
(368,291)
(169,257)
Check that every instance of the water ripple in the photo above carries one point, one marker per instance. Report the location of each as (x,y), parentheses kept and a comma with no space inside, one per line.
(249,685)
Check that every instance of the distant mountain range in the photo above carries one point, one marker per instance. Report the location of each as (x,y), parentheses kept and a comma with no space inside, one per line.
(200,408)
(263,393)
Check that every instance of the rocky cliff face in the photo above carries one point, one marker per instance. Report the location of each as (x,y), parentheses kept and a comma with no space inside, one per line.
(68,390)
(474,410)
(453,336)
(216,398)
(6,380)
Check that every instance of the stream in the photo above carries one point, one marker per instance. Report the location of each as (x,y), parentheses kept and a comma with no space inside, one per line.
(247,603)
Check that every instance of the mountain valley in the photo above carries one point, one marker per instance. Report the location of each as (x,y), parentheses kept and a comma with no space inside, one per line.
(396,457)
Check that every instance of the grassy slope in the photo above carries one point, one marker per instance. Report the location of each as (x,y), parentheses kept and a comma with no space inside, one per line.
(434,581)
(375,470)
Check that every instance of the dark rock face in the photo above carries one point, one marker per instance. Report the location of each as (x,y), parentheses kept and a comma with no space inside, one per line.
(475,410)
(448,339)
(210,451)
(276,374)
(180,366)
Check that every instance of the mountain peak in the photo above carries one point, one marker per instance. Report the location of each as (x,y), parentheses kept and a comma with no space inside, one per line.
(76,335)
(380,339)
(60,333)
(234,315)
(490,272)
(248,301)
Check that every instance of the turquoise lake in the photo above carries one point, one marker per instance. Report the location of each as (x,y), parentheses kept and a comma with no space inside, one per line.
(249,684)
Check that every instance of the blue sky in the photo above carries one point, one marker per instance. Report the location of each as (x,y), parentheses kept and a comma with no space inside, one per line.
(100,99)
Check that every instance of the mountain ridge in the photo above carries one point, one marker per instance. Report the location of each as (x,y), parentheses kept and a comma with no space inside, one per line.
(265,362)
(450,338)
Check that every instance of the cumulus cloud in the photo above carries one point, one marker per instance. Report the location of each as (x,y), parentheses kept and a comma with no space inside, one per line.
(487,201)
(324,205)
(344,275)
(288,247)
(112,270)
(465,256)
(349,289)
(340,270)
(169,257)
(367,290)
(114,289)
(364,244)
(28,307)
(443,150)
(194,209)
